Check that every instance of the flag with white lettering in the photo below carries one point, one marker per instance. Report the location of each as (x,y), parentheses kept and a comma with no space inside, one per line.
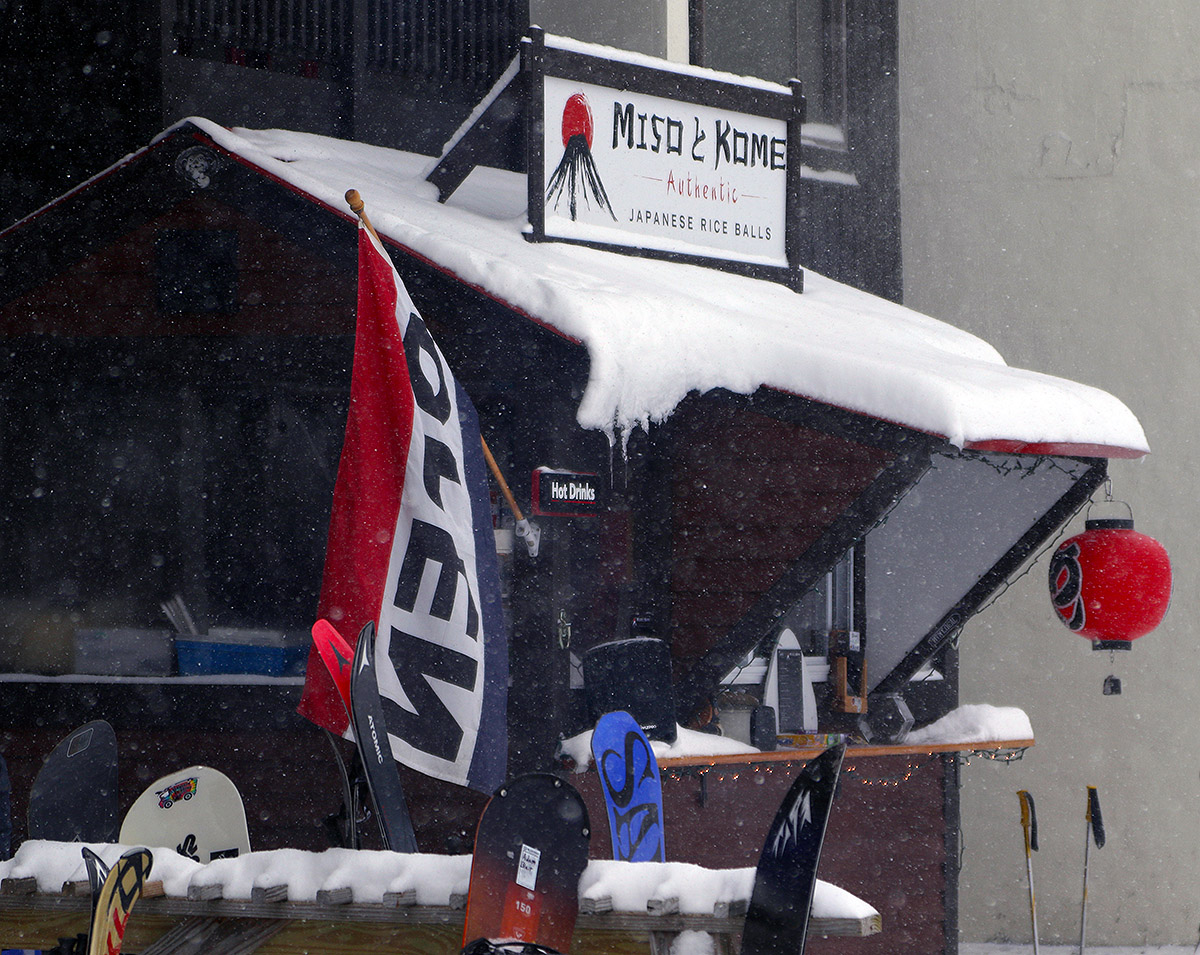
(411,547)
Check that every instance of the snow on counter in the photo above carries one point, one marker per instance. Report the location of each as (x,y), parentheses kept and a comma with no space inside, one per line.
(630,884)
(656,331)
(975,723)
(370,874)
(687,743)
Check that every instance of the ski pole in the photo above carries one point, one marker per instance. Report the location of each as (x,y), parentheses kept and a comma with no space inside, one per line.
(526,530)
(1094,831)
(1029,825)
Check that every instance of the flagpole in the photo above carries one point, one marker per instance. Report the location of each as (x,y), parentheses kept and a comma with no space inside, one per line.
(358,207)
(527,531)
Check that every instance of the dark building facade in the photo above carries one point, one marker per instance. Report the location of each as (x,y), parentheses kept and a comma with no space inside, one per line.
(78,91)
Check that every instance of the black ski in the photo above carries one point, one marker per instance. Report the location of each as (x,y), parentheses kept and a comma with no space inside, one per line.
(777,919)
(370,733)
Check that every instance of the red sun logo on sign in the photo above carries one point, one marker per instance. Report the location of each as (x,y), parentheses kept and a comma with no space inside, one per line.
(577,119)
(576,171)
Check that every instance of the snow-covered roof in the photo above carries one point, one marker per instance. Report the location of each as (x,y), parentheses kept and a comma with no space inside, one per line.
(656,331)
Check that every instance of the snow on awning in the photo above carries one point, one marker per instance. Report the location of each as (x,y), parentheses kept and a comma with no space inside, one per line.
(656,331)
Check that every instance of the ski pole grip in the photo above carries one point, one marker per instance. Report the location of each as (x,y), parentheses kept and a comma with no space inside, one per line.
(1095,820)
(1028,821)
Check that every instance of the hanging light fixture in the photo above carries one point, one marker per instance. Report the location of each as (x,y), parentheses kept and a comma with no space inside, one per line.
(1111,583)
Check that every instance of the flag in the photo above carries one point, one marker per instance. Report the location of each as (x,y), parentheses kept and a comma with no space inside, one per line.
(411,547)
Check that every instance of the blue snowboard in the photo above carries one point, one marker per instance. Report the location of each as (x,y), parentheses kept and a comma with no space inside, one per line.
(632,788)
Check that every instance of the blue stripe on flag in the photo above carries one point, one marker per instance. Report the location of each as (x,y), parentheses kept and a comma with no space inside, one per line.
(490,759)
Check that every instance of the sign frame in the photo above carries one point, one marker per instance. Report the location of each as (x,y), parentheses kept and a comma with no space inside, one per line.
(690,87)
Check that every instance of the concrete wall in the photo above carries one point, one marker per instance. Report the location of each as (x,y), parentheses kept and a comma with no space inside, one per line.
(1050,189)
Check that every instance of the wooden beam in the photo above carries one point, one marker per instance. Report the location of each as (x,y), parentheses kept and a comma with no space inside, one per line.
(805,753)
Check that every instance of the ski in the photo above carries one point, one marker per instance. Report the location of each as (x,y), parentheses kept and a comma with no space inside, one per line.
(74,795)
(1029,828)
(342,825)
(338,658)
(198,811)
(119,892)
(97,871)
(780,902)
(375,749)
(531,847)
(632,788)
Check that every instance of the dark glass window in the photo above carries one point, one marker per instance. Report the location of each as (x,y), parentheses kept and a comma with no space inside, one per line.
(780,40)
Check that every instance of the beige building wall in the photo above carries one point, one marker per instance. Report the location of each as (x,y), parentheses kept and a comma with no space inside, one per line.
(1050,189)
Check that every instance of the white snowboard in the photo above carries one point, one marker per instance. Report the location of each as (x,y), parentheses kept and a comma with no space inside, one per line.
(196,811)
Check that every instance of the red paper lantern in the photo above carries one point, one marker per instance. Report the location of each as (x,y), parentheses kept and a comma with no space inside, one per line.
(1110,583)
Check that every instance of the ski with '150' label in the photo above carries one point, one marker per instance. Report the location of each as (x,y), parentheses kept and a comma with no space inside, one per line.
(375,749)
(780,902)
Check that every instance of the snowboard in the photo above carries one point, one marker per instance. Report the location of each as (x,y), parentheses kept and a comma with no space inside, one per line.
(531,847)
(74,795)
(197,810)
(375,750)
(121,888)
(780,902)
(632,788)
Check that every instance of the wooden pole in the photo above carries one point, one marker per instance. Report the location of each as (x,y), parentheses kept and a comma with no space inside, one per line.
(1029,825)
(358,207)
(495,469)
(525,530)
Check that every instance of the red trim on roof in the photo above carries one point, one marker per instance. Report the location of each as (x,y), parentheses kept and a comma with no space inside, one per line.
(1054,448)
(86,184)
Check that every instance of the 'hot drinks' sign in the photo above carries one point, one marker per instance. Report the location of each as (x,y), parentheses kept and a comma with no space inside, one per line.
(673,161)
(567,493)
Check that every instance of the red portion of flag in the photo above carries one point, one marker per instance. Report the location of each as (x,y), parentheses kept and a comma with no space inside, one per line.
(370,479)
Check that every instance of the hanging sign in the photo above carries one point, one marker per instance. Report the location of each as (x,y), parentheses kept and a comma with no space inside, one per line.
(567,493)
(662,160)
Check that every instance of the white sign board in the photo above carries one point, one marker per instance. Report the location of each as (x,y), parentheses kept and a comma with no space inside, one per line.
(631,169)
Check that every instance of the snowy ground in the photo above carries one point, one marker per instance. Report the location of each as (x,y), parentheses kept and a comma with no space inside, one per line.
(981,948)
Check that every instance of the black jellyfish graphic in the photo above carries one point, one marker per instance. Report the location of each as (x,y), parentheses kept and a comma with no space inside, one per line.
(577,169)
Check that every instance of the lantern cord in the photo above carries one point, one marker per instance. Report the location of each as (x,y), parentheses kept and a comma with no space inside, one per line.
(1053,543)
